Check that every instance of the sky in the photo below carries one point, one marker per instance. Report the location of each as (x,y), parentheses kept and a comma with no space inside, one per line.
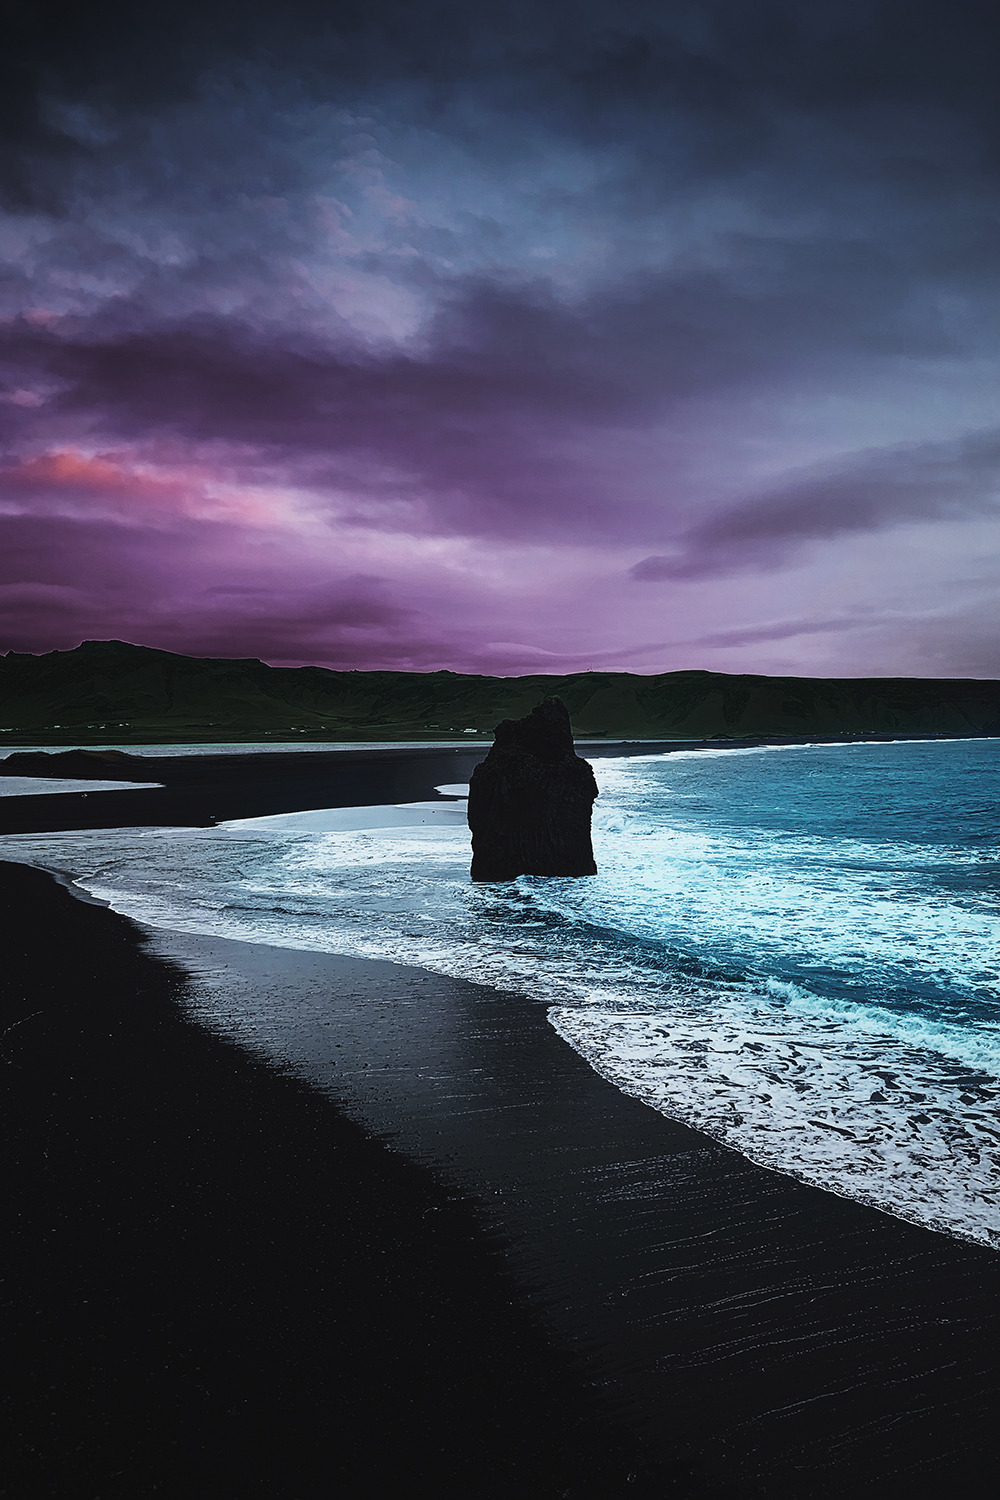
(504,337)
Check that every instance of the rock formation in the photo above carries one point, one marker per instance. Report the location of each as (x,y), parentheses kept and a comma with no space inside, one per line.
(530,800)
(76,763)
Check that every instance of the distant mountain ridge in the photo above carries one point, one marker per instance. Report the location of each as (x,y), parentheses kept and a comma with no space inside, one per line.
(111,691)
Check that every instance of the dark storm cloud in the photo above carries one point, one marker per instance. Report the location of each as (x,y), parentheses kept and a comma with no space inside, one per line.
(847,150)
(686,88)
(813,51)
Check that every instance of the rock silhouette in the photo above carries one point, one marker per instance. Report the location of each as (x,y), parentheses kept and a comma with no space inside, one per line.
(530,800)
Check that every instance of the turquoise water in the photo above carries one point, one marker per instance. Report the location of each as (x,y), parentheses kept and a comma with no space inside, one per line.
(869,872)
(828,928)
(796,950)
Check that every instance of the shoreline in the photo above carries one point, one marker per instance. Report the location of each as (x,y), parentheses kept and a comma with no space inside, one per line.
(679,1313)
(28,743)
(201,790)
(760,1323)
(664,1307)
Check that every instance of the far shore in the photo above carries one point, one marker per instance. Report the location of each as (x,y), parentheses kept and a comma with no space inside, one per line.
(200,786)
(266,744)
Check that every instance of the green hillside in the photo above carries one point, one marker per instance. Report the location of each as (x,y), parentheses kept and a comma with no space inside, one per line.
(109,691)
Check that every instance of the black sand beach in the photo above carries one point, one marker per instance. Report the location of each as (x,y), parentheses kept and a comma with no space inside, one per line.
(215,1284)
(781,1340)
(220,1280)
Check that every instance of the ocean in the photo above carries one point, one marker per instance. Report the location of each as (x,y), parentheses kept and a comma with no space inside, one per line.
(795,950)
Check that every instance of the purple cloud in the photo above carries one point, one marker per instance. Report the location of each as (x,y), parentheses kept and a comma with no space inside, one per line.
(875,492)
(392,336)
(781,631)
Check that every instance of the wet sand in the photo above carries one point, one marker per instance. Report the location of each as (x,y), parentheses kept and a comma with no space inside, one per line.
(779,1340)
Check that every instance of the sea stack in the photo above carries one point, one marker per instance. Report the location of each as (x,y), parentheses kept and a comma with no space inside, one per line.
(530,800)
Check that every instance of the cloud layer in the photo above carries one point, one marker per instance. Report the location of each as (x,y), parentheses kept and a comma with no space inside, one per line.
(654,337)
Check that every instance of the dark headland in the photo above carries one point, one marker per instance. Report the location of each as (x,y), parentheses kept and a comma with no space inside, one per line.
(110,692)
